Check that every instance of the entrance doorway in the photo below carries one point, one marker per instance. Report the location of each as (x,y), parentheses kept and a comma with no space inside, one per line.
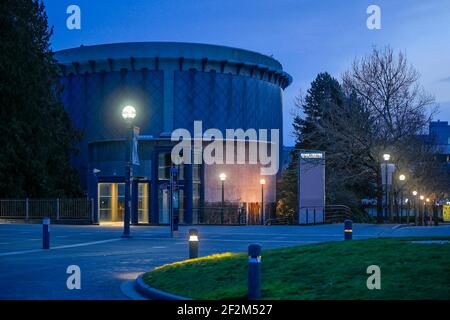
(111,202)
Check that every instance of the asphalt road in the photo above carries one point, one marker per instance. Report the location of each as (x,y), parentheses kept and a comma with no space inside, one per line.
(108,261)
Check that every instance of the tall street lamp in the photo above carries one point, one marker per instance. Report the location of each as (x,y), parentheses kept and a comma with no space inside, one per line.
(414,193)
(262,182)
(222,178)
(386,158)
(402,179)
(427,210)
(128,114)
(421,213)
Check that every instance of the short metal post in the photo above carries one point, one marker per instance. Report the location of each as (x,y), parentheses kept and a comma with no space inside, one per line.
(193,243)
(46,233)
(348,230)
(254,271)
(314,216)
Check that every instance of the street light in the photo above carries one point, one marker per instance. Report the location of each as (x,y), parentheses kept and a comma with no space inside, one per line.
(262,182)
(222,178)
(386,158)
(128,114)
(402,179)
(414,193)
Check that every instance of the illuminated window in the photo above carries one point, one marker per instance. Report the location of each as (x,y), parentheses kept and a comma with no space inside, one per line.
(111,201)
(143,203)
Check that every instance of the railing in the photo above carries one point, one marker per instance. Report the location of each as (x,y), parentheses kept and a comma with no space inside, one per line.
(276,221)
(337,213)
(57,209)
(219,215)
(324,214)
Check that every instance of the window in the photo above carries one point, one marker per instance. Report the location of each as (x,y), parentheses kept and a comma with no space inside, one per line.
(111,202)
(143,203)
(105,201)
(164,163)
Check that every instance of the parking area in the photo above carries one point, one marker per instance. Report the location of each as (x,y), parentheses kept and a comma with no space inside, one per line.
(107,261)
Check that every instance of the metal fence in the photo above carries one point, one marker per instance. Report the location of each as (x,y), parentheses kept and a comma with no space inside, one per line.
(233,213)
(56,209)
(325,214)
(219,215)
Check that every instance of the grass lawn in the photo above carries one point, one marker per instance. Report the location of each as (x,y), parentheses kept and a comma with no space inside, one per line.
(334,270)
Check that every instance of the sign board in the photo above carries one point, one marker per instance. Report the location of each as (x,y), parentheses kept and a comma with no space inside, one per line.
(446,212)
(311,187)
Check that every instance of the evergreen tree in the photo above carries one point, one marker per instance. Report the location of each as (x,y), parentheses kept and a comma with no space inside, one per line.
(318,107)
(324,94)
(36,136)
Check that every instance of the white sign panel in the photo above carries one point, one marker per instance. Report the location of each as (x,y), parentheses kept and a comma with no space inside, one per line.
(311,187)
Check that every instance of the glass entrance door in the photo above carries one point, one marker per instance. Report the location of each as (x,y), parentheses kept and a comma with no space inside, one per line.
(111,202)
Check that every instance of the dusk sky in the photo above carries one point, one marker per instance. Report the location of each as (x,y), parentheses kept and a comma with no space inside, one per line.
(306,36)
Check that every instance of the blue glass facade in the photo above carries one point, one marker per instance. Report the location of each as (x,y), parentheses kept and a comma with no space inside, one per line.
(225,101)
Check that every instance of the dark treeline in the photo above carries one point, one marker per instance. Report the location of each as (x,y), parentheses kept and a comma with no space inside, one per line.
(36,136)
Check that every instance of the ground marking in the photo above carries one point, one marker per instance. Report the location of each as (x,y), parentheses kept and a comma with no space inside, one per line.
(59,247)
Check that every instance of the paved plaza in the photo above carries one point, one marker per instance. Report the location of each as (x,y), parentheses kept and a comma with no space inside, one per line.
(108,263)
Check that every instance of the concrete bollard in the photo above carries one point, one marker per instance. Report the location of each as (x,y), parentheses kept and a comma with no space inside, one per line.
(254,271)
(348,230)
(46,233)
(193,243)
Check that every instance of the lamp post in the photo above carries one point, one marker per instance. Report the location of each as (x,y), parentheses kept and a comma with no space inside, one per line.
(402,179)
(386,158)
(128,114)
(420,209)
(262,182)
(427,209)
(414,193)
(222,178)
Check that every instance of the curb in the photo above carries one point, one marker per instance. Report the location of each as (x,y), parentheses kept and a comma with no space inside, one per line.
(154,294)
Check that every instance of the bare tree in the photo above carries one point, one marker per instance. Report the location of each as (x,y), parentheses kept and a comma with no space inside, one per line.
(397,110)
(380,107)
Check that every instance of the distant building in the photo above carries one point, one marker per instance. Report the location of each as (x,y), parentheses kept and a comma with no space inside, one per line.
(439,135)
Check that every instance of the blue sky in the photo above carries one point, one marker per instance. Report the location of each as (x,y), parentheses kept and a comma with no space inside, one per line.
(306,36)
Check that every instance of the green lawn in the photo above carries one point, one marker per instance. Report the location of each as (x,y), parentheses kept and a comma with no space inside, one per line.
(334,270)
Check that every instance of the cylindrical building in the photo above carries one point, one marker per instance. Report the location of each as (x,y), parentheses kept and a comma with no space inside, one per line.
(171,85)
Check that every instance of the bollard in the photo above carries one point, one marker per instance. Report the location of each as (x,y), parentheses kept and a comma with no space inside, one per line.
(46,233)
(348,230)
(254,271)
(193,243)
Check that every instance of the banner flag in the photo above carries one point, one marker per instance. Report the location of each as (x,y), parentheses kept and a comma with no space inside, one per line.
(134,154)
